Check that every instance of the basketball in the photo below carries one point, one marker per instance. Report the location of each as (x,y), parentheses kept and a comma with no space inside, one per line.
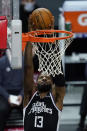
(41,18)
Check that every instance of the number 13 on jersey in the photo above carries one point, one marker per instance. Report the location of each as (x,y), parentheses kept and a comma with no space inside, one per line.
(38,121)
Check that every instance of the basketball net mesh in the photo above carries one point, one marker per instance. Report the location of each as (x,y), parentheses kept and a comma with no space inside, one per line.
(49,55)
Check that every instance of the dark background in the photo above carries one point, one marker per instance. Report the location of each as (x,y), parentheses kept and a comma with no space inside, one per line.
(53,6)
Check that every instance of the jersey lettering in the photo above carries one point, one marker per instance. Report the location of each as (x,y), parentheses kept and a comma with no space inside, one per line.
(39,107)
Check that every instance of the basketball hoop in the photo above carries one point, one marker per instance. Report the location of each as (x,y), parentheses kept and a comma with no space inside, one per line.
(47,45)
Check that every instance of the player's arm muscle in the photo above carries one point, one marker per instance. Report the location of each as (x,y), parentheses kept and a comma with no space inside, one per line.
(59,96)
(28,73)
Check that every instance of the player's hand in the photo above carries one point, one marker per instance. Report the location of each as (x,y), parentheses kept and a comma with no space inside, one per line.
(20,99)
(9,101)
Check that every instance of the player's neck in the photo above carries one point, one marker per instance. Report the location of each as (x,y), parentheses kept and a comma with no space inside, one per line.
(42,95)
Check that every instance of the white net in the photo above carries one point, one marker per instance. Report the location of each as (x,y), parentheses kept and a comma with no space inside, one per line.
(49,55)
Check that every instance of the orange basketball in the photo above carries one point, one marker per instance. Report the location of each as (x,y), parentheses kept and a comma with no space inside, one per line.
(41,18)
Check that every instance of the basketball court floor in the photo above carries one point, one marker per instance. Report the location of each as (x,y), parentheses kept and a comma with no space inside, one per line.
(70,114)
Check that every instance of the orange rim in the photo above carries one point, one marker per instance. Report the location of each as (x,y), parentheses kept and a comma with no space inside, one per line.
(30,36)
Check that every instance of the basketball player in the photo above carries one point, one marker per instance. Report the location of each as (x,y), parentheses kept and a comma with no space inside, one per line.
(43,111)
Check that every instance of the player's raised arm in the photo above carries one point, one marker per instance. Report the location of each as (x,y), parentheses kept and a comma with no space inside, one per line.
(28,73)
(59,90)
(59,96)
